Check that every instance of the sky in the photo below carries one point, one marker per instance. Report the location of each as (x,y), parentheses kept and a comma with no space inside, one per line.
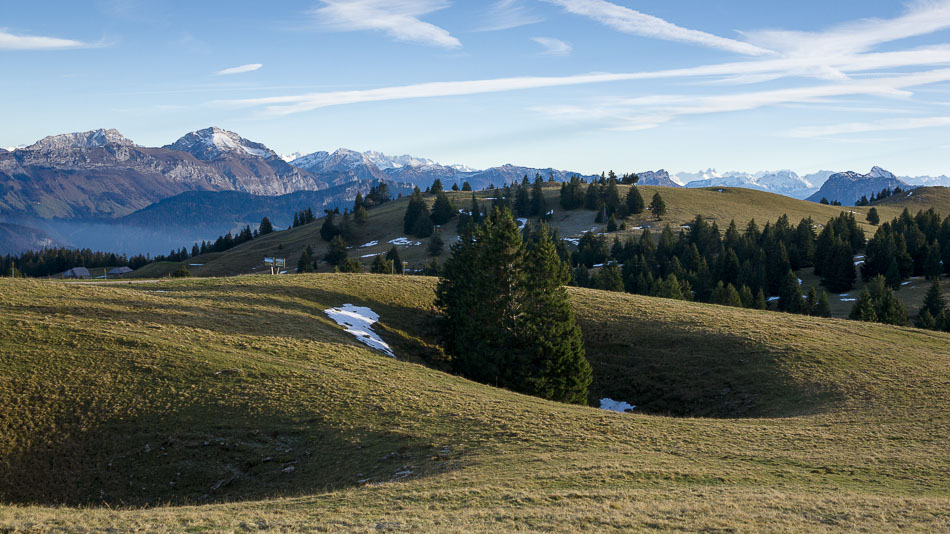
(579,85)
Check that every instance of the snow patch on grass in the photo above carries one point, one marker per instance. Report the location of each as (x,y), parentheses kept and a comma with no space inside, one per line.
(370,244)
(616,406)
(403,242)
(359,321)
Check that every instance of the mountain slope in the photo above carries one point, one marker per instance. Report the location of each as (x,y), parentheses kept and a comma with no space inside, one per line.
(222,403)
(849,187)
(102,174)
(16,238)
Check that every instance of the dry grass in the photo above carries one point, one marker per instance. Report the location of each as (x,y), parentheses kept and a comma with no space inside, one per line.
(111,393)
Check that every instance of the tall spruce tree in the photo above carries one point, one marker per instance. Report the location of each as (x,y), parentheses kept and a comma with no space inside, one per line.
(555,366)
(634,201)
(443,210)
(658,206)
(508,321)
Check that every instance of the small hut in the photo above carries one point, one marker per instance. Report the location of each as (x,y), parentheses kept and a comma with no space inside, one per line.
(119,271)
(77,272)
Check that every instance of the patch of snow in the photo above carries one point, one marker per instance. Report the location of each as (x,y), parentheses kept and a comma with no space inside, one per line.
(359,321)
(196,265)
(283,272)
(572,240)
(403,242)
(522,223)
(910,194)
(844,295)
(799,281)
(719,190)
(773,299)
(860,262)
(550,212)
(849,300)
(371,255)
(598,265)
(370,244)
(638,228)
(907,283)
(858,258)
(616,406)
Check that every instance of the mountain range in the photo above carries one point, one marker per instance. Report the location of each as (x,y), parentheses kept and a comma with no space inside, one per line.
(849,187)
(103,179)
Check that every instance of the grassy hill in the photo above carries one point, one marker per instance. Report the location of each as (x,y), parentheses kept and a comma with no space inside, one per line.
(385,224)
(236,404)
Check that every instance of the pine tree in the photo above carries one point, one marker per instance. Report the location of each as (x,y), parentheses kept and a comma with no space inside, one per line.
(349,265)
(932,268)
(658,206)
(538,206)
(760,302)
(790,294)
(393,256)
(873,217)
(266,227)
(934,306)
(822,309)
(634,201)
(337,251)
(443,210)
(436,245)
(305,263)
(612,224)
(381,265)
(893,276)
(416,221)
(466,186)
(436,187)
(746,296)
(455,187)
(863,309)
(554,365)
(329,229)
(609,278)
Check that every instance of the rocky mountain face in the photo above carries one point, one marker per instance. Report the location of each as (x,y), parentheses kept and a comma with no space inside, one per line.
(659,178)
(102,174)
(849,187)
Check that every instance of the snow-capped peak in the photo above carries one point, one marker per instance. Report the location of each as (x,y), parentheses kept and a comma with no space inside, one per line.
(211,143)
(877,172)
(90,139)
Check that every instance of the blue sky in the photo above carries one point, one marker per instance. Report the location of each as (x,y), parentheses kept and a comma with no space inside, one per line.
(583,85)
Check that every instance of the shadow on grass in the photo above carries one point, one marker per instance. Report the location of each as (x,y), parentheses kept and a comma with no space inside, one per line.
(203,454)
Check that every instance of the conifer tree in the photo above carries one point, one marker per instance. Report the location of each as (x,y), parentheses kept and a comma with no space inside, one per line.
(658,206)
(436,244)
(507,317)
(329,229)
(443,210)
(416,221)
(436,187)
(393,256)
(466,186)
(609,278)
(822,309)
(790,294)
(381,265)
(266,227)
(337,251)
(873,217)
(746,296)
(612,224)
(634,201)
(538,206)
(760,302)
(935,306)
(555,366)
(305,263)
(932,268)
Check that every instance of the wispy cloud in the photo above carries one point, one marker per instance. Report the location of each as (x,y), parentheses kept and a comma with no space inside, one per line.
(627,20)
(888,125)
(240,70)
(651,111)
(9,41)
(507,14)
(553,47)
(397,18)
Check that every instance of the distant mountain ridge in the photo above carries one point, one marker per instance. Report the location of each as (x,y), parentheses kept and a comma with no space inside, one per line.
(849,187)
(420,172)
(783,182)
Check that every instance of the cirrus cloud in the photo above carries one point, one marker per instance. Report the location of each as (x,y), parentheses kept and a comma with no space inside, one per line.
(251,67)
(10,41)
(397,18)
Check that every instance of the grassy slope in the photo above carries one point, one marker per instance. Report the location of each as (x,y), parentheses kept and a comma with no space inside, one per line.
(385,223)
(206,391)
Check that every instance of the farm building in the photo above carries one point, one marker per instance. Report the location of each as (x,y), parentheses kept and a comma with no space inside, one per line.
(77,272)
(118,271)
